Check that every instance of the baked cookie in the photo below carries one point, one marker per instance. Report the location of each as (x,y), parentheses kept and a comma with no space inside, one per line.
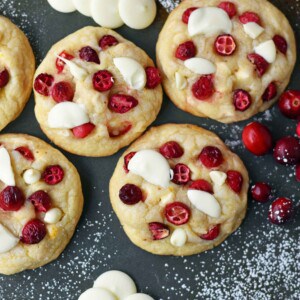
(178,190)
(96,85)
(40,203)
(226,60)
(17,66)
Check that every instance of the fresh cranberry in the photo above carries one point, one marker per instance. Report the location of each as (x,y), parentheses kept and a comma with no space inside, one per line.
(115,132)
(177,213)
(130,194)
(11,198)
(280,211)
(270,92)
(248,17)
(4,78)
(289,104)
(298,129)
(62,91)
(33,232)
(107,41)
(89,54)
(153,77)
(257,138)
(298,172)
(182,174)
(261,65)
(229,7)
(53,174)
(235,180)
(42,84)
(127,159)
(225,45)
(171,150)
(159,231)
(121,104)
(203,88)
(26,153)
(103,81)
(82,131)
(281,44)
(287,151)
(186,15)
(201,185)
(186,50)
(241,100)
(41,201)
(261,192)
(211,157)
(212,233)
(60,65)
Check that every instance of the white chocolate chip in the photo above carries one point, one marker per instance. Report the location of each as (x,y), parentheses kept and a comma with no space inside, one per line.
(53,216)
(181,82)
(7,240)
(179,237)
(253,29)
(31,176)
(218,177)
(6,171)
(166,199)
(200,66)
(267,50)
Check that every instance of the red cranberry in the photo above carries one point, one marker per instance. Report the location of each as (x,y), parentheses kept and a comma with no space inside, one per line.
(248,17)
(33,232)
(89,54)
(211,157)
(298,172)
(203,88)
(289,104)
(119,131)
(41,201)
(62,91)
(229,7)
(26,153)
(287,151)
(4,78)
(107,41)
(53,174)
(42,84)
(127,159)
(82,131)
(177,213)
(298,129)
(201,185)
(60,65)
(153,77)
(241,100)
(281,44)
(182,174)
(103,81)
(225,45)
(261,65)
(130,194)
(159,231)
(261,192)
(235,180)
(280,211)
(11,199)
(186,15)
(171,150)
(121,104)
(212,233)
(186,50)
(257,138)
(270,92)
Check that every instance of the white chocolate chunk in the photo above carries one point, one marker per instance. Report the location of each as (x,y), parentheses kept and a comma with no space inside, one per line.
(118,283)
(83,6)
(267,50)
(139,296)
(78,72)
(178,237)
(218,177)
(97,294)
(205,202)
(180,80)
(67,115)
(166,199)
(253,29)
(64,6)
(200,66)
(31,176)
(6,171)
(53,216)
(209,21)
(7,240)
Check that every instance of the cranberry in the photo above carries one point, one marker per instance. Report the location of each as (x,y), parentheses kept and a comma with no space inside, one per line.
(201,185)
(182,174)
(121,104)
(41,201)
(261,192)
(203,88)
(281,44)
(103,81)
(257,138)
(212,233)
(235,180)
(298,129)
(42,84)
(62,91)
(89,54)
(298,172)
(248,17)
(289,104)
(4,78)
(60,65)
(225,45)
(11,199)
(159,231)
(26,153)
(119,131)
(261,65)
(211,157)
(153,77)
(229,7)
(287,151)
(241,100)
(177,213)
(82,131)
(130,194)
(186,15)
(33,232)
(270,92)
(186,50)
(107,41)
(171,150)
(127,159)
(280,211)
(53,174)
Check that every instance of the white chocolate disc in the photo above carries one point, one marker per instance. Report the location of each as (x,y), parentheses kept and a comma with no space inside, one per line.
(64,6)
(97,294)
(83,6)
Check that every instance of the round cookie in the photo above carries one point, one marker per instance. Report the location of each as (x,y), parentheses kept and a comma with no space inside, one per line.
(178,190)
(17,66)
(40,203)
(106,90)
(226,61)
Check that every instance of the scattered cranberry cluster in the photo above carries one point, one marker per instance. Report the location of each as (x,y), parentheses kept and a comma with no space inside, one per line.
(102,81)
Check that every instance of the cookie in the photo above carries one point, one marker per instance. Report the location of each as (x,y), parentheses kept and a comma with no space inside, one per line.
(96,92)
(178,190)
(226,60)
(40,203)
(17,66)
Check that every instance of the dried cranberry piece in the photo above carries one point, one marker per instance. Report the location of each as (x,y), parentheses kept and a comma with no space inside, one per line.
(212,233)
(261,65)
(41,201)
(127,159)
(177,213)
(201,185)
(43,83)
(53,174)
(62,91)
(4,78)
(281,210)
(235,180)
(225,45)
(186,15)
(159,231)
(211,157)
(115,132)
(229,7)
(186,50)
(281,43)
(130,194)
(203,88)
(182,174)
(121,104)
(25,152)
(241,100)
(60,65)
(82,131)
(153,77)
(103,81)
(270,92)
(171,150)
(107,41)
(33,232)
(89,54)
(248,17)
(11,198)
